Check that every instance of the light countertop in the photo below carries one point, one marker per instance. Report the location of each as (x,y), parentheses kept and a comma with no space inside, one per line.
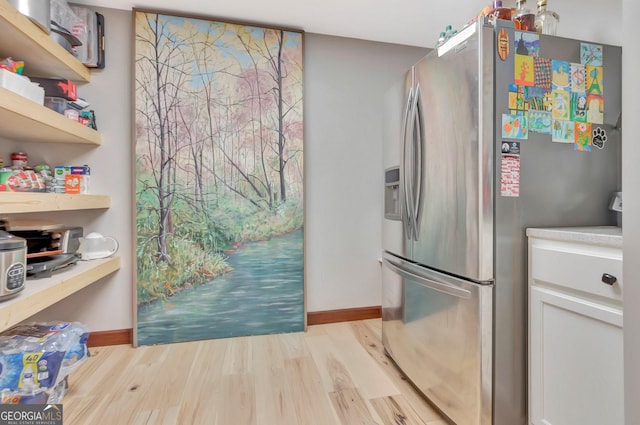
(610,236)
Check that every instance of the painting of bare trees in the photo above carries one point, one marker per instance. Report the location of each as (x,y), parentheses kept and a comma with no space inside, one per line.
(218,179)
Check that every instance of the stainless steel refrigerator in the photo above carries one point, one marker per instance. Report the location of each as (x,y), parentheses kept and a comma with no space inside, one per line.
(454,276)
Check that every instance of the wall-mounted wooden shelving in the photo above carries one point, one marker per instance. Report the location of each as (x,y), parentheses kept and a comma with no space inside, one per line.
(21,39)
(24,120)
(39,294)
(29,202)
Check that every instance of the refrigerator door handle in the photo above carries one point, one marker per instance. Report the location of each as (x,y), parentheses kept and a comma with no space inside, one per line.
(427,282)
(418,144)
(405,189)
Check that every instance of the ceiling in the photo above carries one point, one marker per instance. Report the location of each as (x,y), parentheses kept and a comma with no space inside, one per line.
(409,22)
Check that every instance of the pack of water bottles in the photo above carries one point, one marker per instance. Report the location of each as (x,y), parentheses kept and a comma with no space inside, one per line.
(36,359)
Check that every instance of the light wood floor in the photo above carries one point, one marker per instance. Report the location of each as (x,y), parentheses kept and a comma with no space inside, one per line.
(332,374)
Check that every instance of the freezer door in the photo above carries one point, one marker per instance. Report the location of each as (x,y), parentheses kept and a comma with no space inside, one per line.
(395,226)
(453,136)
(438,330)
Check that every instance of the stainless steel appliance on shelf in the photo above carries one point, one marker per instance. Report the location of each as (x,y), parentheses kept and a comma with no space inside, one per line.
(454,276)
(13,259)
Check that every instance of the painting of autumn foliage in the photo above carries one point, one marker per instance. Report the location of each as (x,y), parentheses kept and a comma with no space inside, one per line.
(219,179)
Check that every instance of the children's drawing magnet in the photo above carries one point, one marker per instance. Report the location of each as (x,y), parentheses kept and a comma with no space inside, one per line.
(595,109)
(560,75)
(583,137)
(523,70)
(563,131)
(515,126)
(561,105)
(595,80)
(542,71)
(578,78)
(526,43)
(591,54)
(579,107)
(540,122)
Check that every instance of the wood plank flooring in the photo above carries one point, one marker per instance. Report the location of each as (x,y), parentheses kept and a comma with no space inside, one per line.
(334,374)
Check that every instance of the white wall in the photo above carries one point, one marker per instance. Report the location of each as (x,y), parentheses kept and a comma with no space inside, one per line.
(344,82)
(105,305)
(631,215)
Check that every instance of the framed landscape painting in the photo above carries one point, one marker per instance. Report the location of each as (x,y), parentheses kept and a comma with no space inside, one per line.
(219,179)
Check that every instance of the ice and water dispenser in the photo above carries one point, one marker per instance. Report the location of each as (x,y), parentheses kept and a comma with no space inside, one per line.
(392,193)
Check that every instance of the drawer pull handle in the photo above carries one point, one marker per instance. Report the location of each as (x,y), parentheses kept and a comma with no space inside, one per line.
(609,279)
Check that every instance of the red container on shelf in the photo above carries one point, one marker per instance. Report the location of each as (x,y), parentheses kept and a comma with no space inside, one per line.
(19,159)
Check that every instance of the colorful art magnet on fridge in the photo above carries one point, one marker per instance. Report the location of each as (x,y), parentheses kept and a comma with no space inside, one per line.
(599,137)
(560,75)
(578,78)
(523,70)
(510,175)
(561,105)
(579,107)
(540,122)
(595,109)
(515,126)
(542,71)
(595,80)
(583,137)
(563,131)
(517,98)
(526,43)
(535,97)
(503,44)
(591,54)
(513,100)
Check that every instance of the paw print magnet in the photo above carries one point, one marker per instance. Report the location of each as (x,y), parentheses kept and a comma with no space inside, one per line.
(599,137)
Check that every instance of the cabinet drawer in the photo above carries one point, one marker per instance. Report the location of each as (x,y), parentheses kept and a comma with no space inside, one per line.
(578,270)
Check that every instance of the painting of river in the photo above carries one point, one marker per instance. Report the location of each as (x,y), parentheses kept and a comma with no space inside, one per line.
(219,175)
(262,295)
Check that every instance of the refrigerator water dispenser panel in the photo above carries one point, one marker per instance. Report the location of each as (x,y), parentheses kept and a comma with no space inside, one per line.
(392,193)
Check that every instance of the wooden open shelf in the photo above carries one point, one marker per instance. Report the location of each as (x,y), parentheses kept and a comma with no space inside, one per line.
(22,119)
(28,202)
(39,294)
(21,39)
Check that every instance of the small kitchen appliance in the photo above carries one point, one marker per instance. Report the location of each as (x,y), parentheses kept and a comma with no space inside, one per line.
(95,246)
(50,246)
(13,259)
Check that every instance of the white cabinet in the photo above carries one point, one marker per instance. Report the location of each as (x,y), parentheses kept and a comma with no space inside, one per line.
(575,326)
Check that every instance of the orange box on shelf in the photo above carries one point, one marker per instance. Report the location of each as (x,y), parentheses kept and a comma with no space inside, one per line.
(72,183)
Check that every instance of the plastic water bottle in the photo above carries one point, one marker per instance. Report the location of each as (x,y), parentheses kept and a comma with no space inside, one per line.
(441,39)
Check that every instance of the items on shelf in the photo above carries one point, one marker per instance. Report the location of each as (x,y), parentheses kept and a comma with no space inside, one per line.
(524,18)
(20,177)
(446,35)
(11,78)
(543,21)
(71,179)
(546,20)
(58,87)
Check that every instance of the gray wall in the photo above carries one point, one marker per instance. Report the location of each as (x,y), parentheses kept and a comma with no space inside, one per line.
(345,80)
(344,83)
